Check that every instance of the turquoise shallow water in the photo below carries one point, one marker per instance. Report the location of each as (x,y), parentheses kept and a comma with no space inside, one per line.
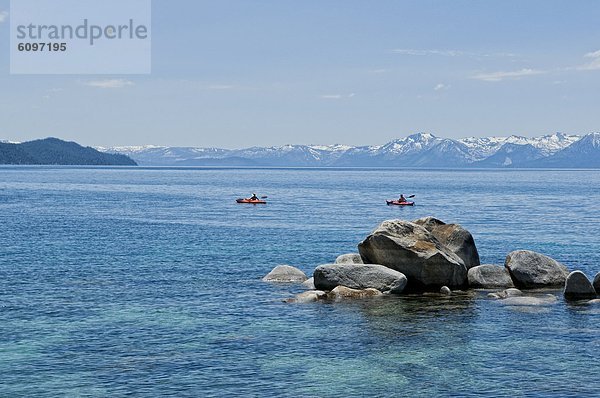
(146,282)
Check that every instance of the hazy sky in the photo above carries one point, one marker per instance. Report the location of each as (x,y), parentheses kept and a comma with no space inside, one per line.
(239,73)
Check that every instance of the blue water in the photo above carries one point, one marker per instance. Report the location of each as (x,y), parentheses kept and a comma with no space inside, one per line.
(146,282)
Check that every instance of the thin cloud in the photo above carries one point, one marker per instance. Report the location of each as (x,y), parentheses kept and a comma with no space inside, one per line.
(441,86)
(337,96)
(3,16)
(221,87)
(594,64)
(411,51)
(499,76)
(448,53)
(110,83)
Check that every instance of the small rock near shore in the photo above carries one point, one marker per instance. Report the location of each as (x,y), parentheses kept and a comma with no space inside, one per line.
(285,274)
(489,276)
(359,276)
(529,269)
(578,287)
(596,283)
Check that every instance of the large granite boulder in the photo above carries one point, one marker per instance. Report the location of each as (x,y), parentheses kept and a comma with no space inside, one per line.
(454,237)
(343,292)
(413,250)
(578,287)
(286,274)
(530,269)
(359,276)
(350,258)
(596,283)
(489,276)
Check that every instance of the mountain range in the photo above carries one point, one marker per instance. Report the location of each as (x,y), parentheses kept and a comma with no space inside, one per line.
(418,150)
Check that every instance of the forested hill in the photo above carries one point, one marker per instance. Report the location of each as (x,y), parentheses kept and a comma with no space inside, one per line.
(52,151)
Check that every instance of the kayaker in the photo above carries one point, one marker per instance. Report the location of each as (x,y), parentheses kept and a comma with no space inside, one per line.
(402,198)
(254,197)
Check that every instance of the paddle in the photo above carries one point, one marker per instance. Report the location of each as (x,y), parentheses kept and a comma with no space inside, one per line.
(264,197)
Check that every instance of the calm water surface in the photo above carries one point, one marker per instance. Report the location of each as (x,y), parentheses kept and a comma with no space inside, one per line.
(146,282)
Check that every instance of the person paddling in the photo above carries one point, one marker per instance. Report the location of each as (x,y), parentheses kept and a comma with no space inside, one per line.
(254,197)
(402,198)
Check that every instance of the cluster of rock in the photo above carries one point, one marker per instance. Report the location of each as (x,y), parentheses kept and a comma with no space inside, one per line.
(429,255)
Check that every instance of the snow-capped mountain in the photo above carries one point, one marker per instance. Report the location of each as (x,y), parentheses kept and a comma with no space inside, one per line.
(417,150)
(511,155)
(483,147)
(584,153)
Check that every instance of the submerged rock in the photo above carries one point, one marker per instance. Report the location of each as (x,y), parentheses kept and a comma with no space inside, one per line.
(308,297)
(454,237)
(512,292)
(578,287)
(359,276)
(285,273)
(530,269)
(414,251)
(343,292)
(547,299)
(489,276)
(350,258)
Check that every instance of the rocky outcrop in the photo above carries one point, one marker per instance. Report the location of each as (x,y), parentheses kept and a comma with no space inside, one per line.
(308,297)
(530,269)
(578,287)
(343,292)
(414,251)
(286,274)
(359,276)
(489,276)
(454,237)
(350,258)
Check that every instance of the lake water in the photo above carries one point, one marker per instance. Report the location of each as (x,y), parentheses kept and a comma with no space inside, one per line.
(146,282)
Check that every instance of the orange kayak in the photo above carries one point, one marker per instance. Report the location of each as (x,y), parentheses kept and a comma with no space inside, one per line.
(254,202)
(396,203)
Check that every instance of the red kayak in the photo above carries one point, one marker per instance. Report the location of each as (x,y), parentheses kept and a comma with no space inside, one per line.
(254,202)
(397,203)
